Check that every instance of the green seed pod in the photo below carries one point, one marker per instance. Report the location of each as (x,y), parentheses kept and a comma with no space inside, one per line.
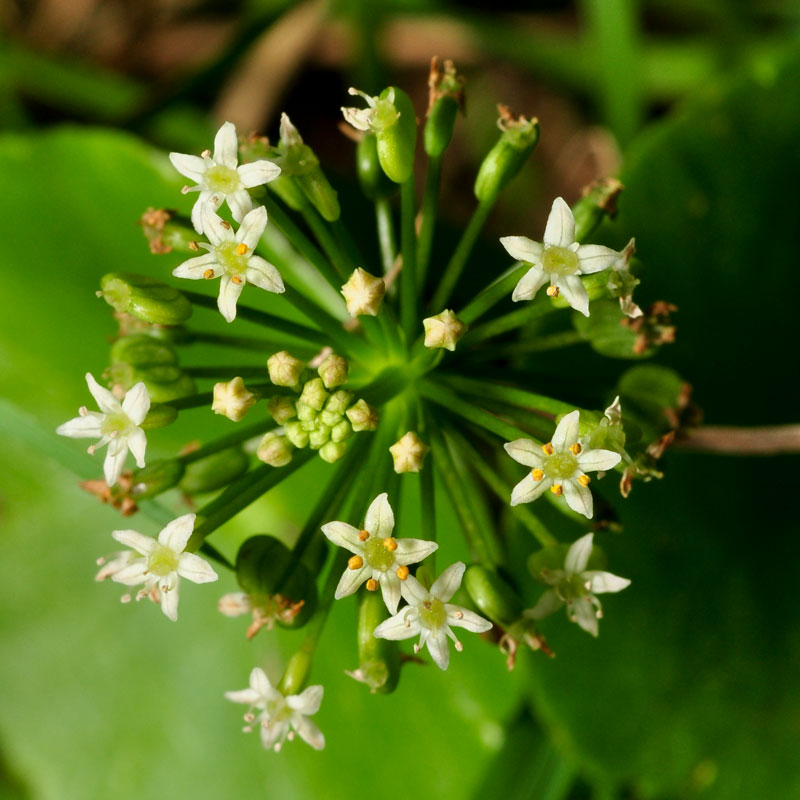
(215,471)
(288,191)
(164,383)
(492,595)
(155,478)
(374,182)
(445,98)
(141,350)
(146,298)
(320,193)
(598,202)
(332,451)
(507,157)
(158,416)
(396,142)
(379,659)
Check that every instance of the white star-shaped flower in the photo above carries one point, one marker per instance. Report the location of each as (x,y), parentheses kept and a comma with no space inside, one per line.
(377,116)
(559,260)
(379,559)
(561,466)
(230,258)
(218,178)
(577,587)
(280,717)
(116,424)
(162,562)
(431,615)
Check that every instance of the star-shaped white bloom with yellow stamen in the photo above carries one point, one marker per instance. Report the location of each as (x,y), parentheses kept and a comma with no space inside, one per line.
(378,558)
(559,260)
(230,258)
(116,424)
(430,614)
(577,587)
(560,466)
(279,717)
(219,177)
(162,562)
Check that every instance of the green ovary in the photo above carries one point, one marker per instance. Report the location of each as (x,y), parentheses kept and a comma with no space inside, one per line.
(222,179)
(115,423)
(162,561)
(376,555)
(230,260)
(560,261)
(560,466)
(432,614)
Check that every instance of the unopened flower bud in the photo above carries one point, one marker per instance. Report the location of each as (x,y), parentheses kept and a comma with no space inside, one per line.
(363,293)
(341,431)
(281,409)
(362,417)
(284,369)
(145,298)
(314,394)
(332,451)
(274,449)
(443,330)
(333,371)
(319,436)
(232,399)
(296,434)
(305,413)
(408,453)
(338,401)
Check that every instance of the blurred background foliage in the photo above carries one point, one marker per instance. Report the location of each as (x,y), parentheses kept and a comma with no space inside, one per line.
(692,688)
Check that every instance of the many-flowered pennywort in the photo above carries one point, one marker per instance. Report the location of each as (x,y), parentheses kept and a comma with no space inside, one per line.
(219,178)
(577,587)
(231,258)
(560,466)
(116,424)
(378,558)
(279,717)
(162,563)
(559,260)
(430,614)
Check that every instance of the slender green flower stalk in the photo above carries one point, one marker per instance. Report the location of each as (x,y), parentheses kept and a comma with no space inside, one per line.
(415,395)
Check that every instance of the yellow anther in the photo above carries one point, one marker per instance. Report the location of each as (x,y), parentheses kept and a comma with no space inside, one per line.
(402,573)
(241,249)
(537,474)
(583,480)
(557,489)
(225,225)
(194,246)
(237,280)
(209,273)
(355,562)
(576,448)
(390,544)
(552,291)
(372,585)
(548,449)
(363,536)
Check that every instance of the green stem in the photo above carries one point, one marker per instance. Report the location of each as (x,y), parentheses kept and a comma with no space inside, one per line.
(430,202)
(354,256)
(459,259)
(259,345)
(493,293)
(538,344)
(408,276)
(427,490)
(506,322)
(327,241)
(249,371)
(386,239)
(508,394)
(242,434)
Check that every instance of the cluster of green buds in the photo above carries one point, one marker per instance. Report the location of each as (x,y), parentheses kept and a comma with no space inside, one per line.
(448,386)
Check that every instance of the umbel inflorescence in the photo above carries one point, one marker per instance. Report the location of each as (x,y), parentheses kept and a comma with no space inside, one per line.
(411,391)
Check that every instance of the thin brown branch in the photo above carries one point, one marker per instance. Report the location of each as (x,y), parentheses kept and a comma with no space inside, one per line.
(763,441)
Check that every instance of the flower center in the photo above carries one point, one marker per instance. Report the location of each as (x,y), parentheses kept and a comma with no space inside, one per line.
(560,465)
(383,116)
(432,614)
(230,259)
(162,561)
(278,710)
(377,555)
(118,423)
(221,179)
(560,261)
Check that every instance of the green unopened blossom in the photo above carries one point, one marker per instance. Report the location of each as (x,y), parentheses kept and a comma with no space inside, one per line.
(333,371)
(314,394)
(273,449)
(232,399)
(281,409)
(577,587)
(559,260)
(363,293)
(362,416)
(284,369)
(408,453)
(443,330)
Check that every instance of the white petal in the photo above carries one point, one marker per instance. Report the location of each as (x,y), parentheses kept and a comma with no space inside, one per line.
(464,618)
(529,284)
(548,603)
(308,732)
(308,701)
(195,569)
(566,433)
(350,581)
(106,401)
(525,451)
(132,575)
(176,534)
(413,591)
(603,582)
(439,649)
(194,268)
(573,291)
(446,585)
(239,203)
(585,615)
(390,589)
(136,403)
(248,696)
(410,551)
(560,230)
(344,535)
(214,227)
(359,118)
(83,427)
(206,200)
(578,498)
(595,258)
(137,442)
(226,146)
(169,597)
(264,275)
(259,682)
(593,460)
(527,490)
(115,460)
(402,625)
(379,520)
(578,554)
(257,173)
(252,227)
(192,167)
(136,541)
(523,249)
(228,296)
